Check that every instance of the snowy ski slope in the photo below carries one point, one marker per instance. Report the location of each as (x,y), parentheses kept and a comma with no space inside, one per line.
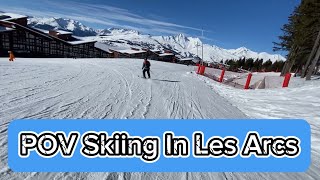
(112,88)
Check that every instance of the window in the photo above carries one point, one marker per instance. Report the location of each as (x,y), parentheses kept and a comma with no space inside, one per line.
(38,41)
(46,44)
(5,41)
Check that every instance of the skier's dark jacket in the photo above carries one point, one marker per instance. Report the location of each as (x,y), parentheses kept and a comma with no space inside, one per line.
(146,65)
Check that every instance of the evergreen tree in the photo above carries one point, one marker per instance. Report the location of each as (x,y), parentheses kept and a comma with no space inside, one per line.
(256,65)
(267,66)
(299,34)
(249,63)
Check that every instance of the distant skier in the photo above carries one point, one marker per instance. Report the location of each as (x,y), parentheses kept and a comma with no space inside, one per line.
(146,68)
(11,56)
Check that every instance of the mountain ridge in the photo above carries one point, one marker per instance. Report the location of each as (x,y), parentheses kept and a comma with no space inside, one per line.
(120,38)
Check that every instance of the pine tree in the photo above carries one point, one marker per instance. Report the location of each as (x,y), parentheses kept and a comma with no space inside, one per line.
(299,35)
(267,65)
(249,64)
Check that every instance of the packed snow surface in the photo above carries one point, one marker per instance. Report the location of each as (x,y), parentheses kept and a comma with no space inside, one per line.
(113,88)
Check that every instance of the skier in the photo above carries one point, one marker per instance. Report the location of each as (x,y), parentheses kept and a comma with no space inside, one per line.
(11,56)
(146,68)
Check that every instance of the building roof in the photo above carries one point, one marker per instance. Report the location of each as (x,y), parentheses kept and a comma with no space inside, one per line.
(42,30)
(154,50)
(4,29)
(75,41)
(130,51)
(102,46)
(195,60)
(18,26)
(42,33)
(11,16)
(166,54)
(58,31)
(61,32)
(186,59)
(80,41)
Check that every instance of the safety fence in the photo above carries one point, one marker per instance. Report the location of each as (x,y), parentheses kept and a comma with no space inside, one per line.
(243,80)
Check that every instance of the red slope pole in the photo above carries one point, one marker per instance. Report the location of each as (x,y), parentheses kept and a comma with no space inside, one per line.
(221,76)
(198,70)
(248,81)
(202,70)
(286,80)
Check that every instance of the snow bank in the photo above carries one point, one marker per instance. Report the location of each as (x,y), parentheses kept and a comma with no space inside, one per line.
(269,79)
(300,101)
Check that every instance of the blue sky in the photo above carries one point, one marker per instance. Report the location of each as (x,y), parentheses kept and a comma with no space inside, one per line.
(254,24)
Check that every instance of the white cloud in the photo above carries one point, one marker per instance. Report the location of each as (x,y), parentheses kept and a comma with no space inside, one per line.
(104,15)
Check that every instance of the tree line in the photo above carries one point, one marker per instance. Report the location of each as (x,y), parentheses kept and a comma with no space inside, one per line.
(256,65)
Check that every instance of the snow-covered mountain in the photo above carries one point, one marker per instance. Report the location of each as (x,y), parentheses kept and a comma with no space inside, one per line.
(190,46)
(102,32)
(247,53)
(115,31)
(76,27)
(118,38)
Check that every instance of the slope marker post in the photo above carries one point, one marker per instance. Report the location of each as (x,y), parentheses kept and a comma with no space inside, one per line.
(286,80)
(248,81)
(202,70)
(222,75)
